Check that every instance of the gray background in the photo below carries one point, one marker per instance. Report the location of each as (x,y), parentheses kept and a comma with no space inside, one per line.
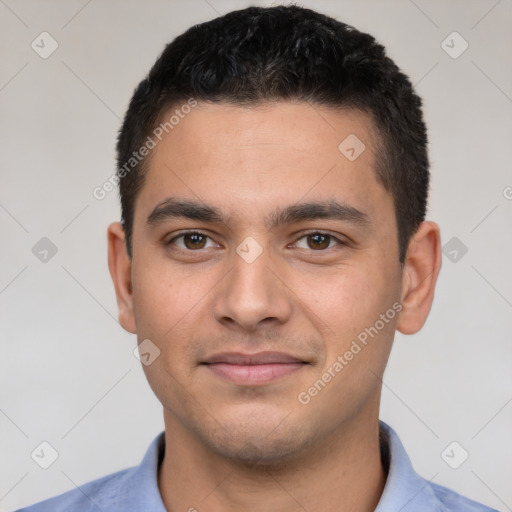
(68,374)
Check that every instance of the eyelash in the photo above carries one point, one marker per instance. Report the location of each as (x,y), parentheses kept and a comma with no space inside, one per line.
(303,235)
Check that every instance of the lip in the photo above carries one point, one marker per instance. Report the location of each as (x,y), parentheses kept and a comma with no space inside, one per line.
(253,369)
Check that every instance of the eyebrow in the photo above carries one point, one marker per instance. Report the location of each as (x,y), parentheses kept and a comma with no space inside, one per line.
(172,208)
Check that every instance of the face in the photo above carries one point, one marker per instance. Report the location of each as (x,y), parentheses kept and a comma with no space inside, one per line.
(262,256)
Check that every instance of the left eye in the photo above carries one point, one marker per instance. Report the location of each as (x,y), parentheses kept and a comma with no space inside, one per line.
(192,241)
(318,241)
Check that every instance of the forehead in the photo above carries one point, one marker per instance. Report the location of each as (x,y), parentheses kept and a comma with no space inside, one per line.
(249,157)
(286,125)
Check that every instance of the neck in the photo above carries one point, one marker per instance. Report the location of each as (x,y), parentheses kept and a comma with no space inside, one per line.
(344,472)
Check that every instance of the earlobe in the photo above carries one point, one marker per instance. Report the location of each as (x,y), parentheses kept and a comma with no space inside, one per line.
(421,269)
(119,265)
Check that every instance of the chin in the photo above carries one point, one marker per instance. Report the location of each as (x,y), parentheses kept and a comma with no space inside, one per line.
(260,446)
(263,455)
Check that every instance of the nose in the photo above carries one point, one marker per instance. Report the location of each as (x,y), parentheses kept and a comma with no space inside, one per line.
(253,295)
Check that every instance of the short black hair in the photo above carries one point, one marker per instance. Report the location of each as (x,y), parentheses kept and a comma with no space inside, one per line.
(285,53)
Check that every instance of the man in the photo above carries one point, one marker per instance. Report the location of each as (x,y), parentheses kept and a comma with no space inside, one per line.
(273,173)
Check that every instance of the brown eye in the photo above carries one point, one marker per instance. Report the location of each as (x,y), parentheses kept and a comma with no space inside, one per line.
(194,241)
(318,241)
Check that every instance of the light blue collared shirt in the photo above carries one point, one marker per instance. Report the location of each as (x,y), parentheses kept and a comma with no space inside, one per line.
(136,489)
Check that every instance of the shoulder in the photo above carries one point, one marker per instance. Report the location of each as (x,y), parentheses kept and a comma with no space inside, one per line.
(407,491)
(101,494)
(451,501)
(134,488)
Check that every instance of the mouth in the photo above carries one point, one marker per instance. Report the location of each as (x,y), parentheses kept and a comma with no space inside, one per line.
(253,369)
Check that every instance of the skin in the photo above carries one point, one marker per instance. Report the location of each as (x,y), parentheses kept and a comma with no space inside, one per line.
(253,448)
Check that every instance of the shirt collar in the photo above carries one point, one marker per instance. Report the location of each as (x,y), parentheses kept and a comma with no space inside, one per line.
(141,489)
(404,491)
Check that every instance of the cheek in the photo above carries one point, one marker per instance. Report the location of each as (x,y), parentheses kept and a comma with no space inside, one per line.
(165,304)
(350,303)
(164,299)
(348,300)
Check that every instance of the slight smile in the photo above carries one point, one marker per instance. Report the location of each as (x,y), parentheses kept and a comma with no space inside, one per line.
(253,369)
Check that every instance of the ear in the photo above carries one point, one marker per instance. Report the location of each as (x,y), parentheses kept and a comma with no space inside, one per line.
(421,269)
(119,264)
